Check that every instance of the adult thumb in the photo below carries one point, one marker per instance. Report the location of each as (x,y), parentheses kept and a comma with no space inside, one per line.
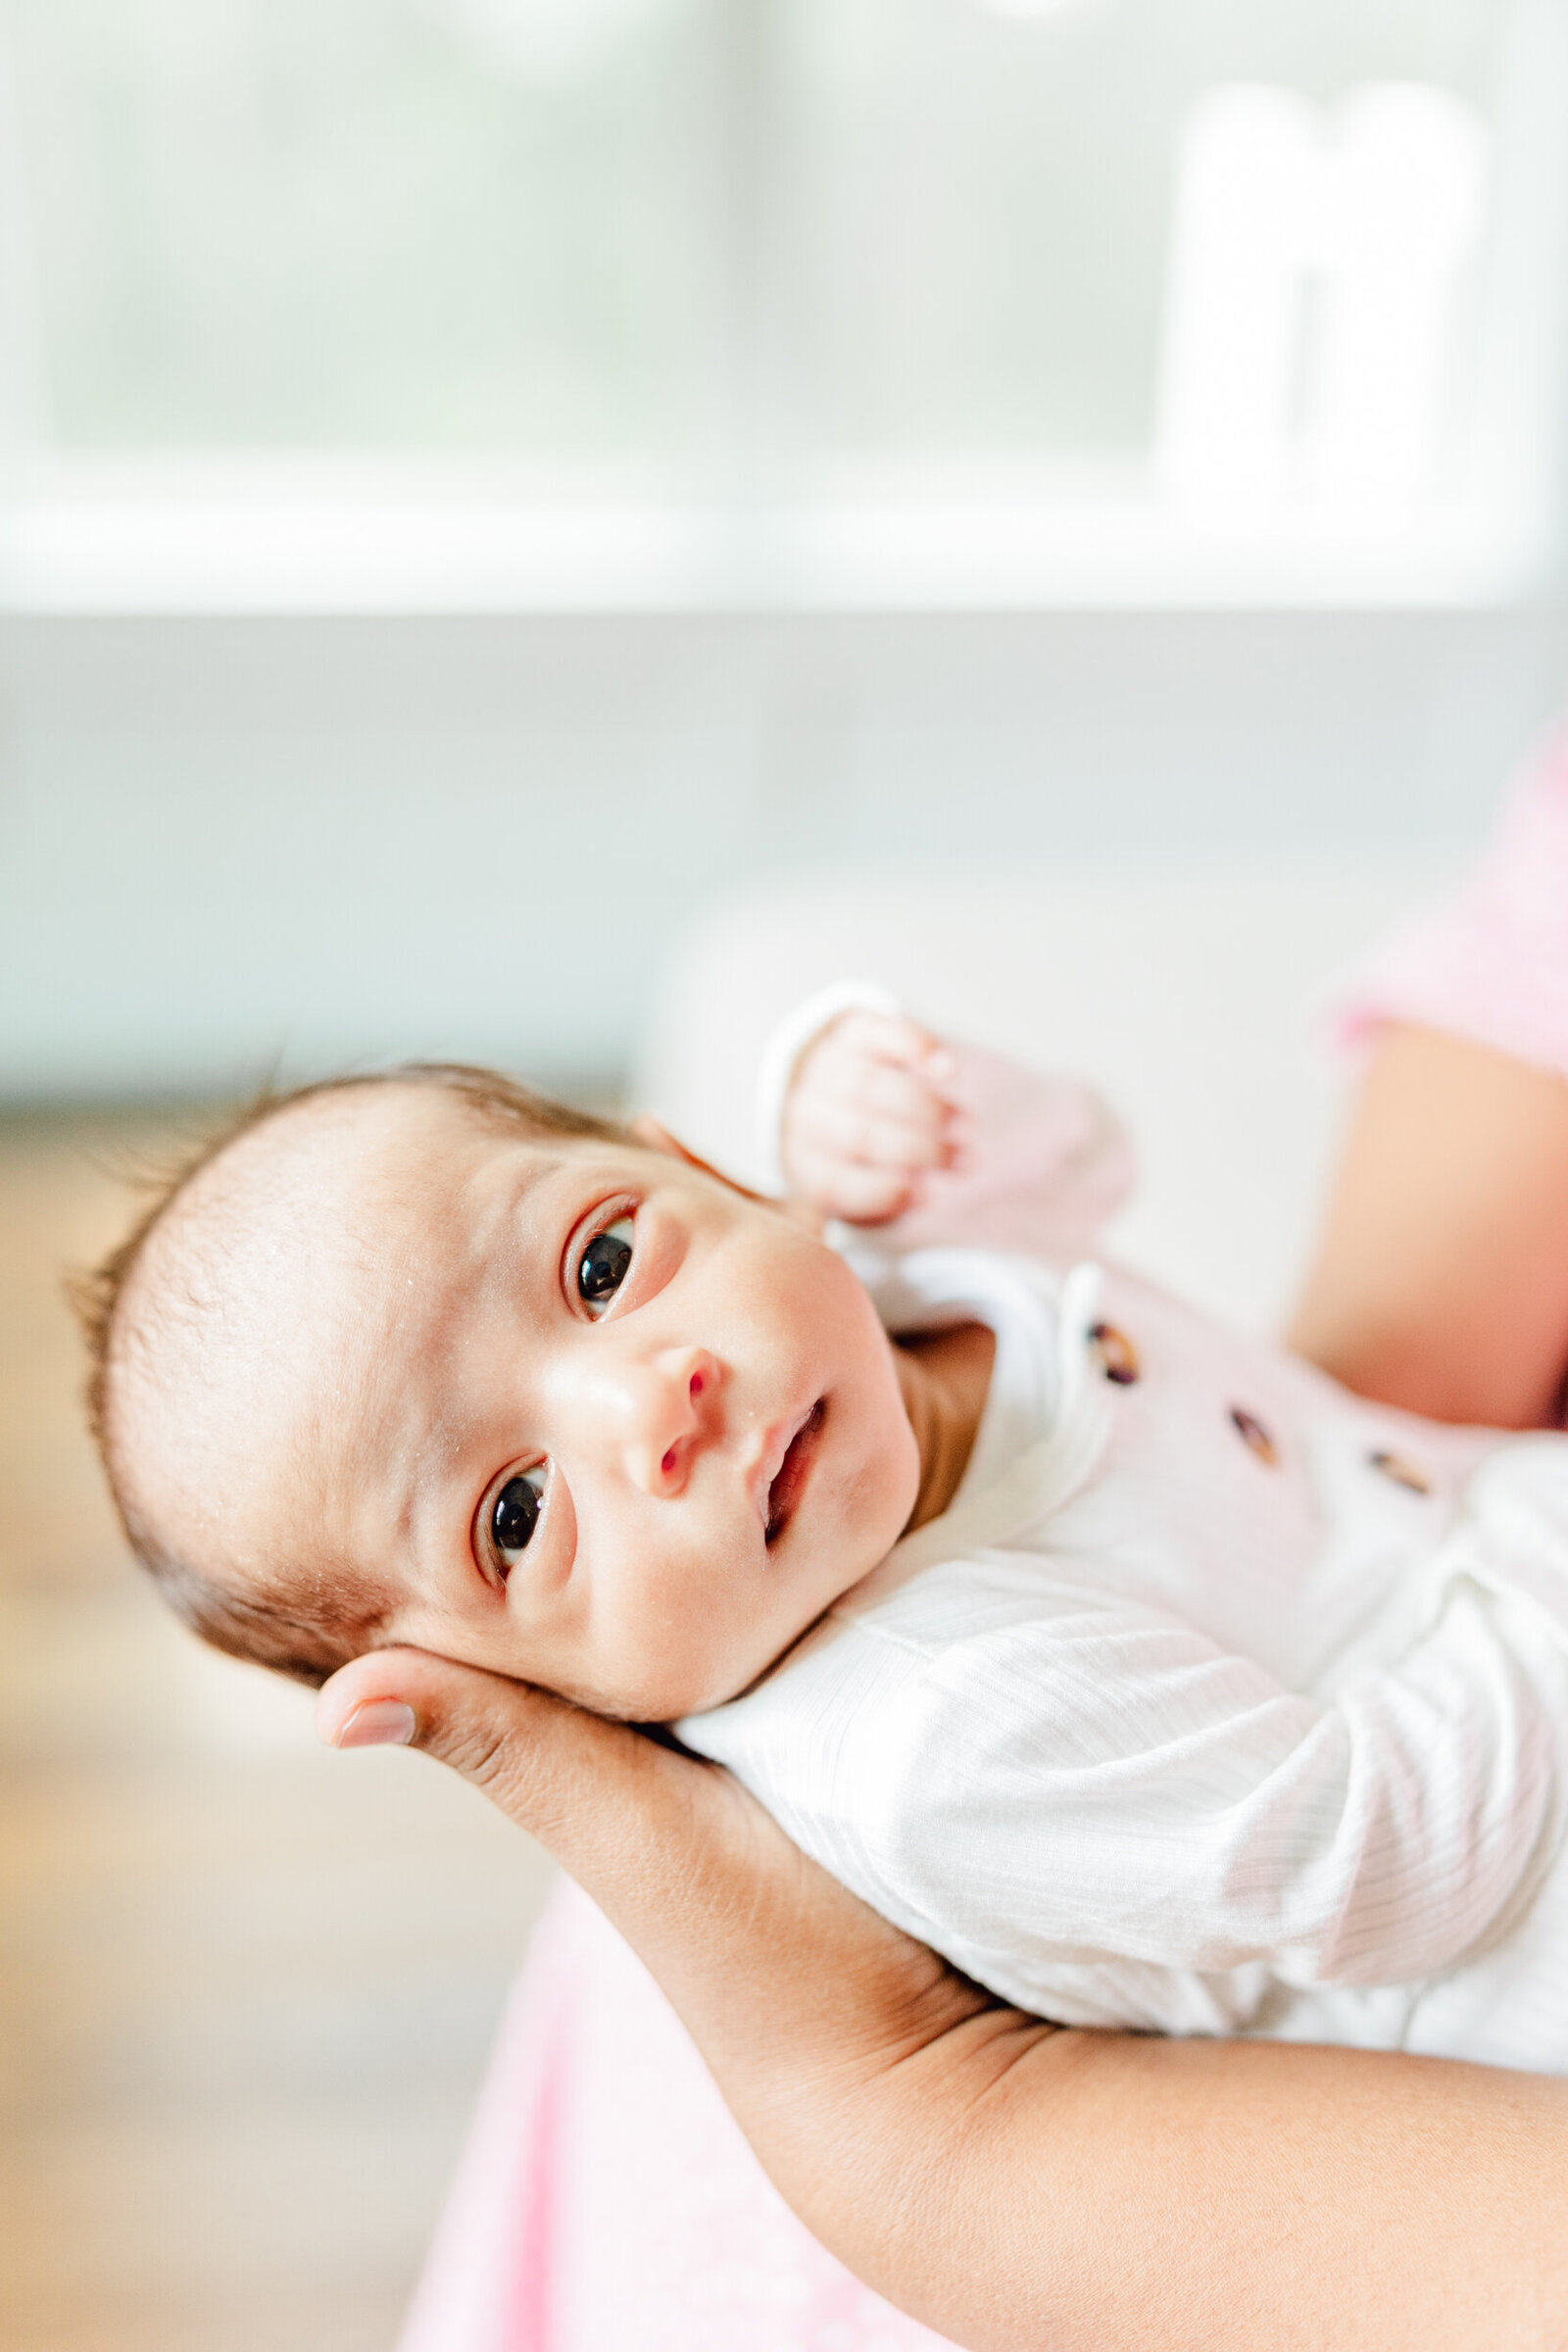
(699,1879)
(742,1931)
(585,1788)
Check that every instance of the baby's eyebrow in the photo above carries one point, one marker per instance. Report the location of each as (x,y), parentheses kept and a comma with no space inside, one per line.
(489,1234)
(505,1204)
(440,1438)
(535,1171)
(536,1168)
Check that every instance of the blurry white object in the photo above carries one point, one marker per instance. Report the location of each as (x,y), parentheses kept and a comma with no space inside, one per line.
(1245,172)
(1401,225)
(1316,271)
(1183,995)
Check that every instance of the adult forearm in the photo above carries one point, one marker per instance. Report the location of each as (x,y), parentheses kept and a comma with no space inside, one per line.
(1017,2189)
(1150,2196)
(1441,1281)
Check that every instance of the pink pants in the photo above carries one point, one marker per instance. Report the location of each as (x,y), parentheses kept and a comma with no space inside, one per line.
(607,2202)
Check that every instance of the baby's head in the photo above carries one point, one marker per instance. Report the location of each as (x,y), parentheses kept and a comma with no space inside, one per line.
(425,1358)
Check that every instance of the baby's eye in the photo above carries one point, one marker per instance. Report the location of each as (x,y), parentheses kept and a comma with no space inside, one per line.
(603,1267)
(515,1516)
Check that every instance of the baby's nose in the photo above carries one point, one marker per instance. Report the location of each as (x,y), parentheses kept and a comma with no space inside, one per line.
(675,1414)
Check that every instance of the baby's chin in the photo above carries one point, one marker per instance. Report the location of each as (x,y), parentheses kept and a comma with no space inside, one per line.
(654,1702)
(640,1694)
(665,1694)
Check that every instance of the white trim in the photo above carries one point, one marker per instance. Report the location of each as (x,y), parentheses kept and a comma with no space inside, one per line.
(1047,1474)
(782,1057)
(79,550)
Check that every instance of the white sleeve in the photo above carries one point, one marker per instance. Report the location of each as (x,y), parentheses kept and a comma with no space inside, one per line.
(1110,1783)
(783,1052)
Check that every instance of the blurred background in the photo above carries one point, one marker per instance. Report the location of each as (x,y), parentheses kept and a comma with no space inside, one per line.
(488,485)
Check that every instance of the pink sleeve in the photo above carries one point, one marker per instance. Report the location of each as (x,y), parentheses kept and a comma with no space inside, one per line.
(1046,1162)
(1490,963)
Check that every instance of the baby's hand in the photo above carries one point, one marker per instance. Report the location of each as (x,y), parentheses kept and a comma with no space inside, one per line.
(865,1117)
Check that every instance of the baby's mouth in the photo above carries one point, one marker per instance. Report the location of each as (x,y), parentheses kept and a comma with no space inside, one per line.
(793,1471)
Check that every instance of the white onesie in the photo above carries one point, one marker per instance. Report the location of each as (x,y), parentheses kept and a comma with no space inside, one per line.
(1218,1701)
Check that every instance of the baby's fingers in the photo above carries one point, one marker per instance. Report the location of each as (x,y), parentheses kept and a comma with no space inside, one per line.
(826,1126)
(878,1087)
(894,1038)
(890,1061)
(841,1188)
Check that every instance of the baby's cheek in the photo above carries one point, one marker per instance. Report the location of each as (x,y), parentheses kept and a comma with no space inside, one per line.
(663,1647)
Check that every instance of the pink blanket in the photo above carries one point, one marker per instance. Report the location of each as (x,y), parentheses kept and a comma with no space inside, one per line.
(606,2201)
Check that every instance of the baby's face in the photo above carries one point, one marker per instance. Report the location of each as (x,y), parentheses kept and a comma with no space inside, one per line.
(599,1420)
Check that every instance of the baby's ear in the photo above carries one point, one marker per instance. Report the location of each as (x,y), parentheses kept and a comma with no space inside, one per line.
(655,1138)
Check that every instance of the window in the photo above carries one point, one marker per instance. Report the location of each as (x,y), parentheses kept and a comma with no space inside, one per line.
(1078,291)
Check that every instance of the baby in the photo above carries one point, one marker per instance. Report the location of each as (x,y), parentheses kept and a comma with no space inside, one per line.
(1135,1666)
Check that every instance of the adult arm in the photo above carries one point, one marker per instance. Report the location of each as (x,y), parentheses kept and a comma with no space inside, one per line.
(1441,1282)
(1016,2187)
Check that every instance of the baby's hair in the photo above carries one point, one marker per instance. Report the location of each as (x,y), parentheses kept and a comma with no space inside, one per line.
(313,1628)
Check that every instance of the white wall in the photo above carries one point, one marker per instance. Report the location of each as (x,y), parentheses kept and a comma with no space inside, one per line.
(223,842)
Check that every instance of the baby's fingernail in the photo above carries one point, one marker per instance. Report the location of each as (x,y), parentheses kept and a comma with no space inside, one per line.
(940,1063)
(380,1723)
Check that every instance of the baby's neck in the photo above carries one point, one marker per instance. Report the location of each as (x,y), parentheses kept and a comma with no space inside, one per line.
(945,1376)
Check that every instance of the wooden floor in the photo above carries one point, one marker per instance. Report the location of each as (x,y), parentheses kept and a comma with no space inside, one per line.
(246,1985)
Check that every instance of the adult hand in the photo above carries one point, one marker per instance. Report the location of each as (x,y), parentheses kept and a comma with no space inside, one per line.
(1016,2187)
